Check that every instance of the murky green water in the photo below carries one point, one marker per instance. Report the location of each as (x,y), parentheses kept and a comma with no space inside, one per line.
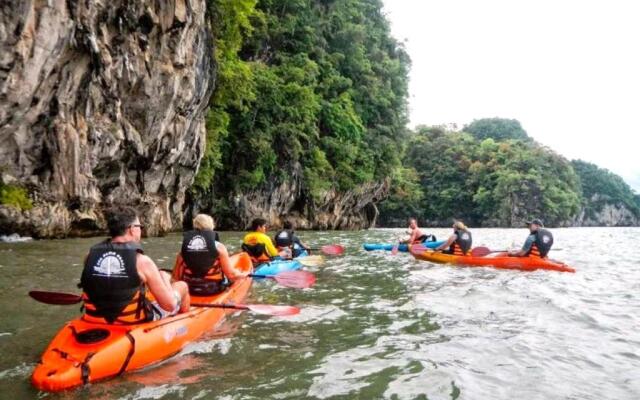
(375,325)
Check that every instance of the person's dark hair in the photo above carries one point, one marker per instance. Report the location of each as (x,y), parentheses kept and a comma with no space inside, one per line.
(257,223)
(119,218)
(287,225)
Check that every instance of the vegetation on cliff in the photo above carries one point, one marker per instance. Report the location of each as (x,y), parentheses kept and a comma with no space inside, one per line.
(488,178)
(315,91)
(314,87)
(601,187)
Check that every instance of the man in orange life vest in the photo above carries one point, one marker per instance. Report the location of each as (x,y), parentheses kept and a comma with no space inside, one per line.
(538,242)
(117,277)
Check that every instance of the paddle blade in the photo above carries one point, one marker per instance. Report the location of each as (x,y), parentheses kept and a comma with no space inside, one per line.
(295,279)
(311,261)
(55,297)
(332,249)
(418,248)
(266,309)
(394,249)
(480,251)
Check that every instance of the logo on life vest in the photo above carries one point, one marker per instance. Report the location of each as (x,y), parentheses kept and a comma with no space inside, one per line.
(465,236)
(283,235)
(110,264)
(197,243)
(546,239)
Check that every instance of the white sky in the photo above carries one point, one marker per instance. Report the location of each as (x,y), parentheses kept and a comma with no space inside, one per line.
(568,70)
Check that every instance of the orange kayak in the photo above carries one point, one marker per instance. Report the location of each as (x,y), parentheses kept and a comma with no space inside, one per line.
(84,352)
(496,260)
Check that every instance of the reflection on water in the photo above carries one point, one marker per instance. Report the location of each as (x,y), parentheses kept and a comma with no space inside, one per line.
(376,325)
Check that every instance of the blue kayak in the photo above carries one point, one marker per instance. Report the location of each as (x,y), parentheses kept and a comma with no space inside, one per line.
(402,247)
(274,267)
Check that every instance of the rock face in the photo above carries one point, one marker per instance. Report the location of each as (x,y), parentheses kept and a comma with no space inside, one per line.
(101,102)
(276,202)
(600,211)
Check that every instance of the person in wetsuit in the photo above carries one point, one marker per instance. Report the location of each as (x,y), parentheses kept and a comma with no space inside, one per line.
(121,284)
(538,243)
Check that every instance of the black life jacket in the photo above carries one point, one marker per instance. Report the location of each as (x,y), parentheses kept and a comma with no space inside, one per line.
(284,238)
(199,251)
(463,243)
(424,238)
(112,287)
(257,252)
(202,271)
(542,244)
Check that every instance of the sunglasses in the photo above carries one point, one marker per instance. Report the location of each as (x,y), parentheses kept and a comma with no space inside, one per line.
(136,225)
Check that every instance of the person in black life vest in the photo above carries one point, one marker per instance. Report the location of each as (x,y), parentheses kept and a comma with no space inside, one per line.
(459,243)
(121,284)
(203,262)
(538,242)
(286,239)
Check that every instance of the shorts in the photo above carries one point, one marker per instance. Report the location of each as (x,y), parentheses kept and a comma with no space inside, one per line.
(159,313)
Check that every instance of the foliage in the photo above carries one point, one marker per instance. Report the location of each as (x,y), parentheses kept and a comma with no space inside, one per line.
(600,187)
(15,196)
(497,129)
(230,23)
(487,182)
(317,87)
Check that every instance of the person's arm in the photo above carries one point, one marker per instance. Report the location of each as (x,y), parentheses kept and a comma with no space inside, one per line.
(269,247)
(300,242)
(448,243)
(159,286)
(178,267)
(223,255)
(525,248)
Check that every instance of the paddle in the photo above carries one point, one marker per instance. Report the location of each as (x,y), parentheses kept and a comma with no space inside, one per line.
(265,309)
(55,297)
(396,246)
(483,251)
(330,249)
(419,247)
(311,261)
(291,279)
(394,249)
(58,298)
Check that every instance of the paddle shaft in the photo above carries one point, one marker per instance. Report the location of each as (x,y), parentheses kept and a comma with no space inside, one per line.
(221,305)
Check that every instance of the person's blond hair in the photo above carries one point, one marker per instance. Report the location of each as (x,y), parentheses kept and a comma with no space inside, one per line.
(203,222)
(460,225)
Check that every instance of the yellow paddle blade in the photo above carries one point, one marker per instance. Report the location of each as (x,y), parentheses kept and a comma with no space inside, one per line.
(311,261)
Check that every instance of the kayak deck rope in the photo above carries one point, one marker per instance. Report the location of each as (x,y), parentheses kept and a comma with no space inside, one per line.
(132,350)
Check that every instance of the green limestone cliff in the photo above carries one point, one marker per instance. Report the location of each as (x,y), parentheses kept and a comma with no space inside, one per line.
(308,122)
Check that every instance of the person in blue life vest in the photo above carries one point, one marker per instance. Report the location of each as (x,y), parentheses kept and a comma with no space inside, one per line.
(459,243)
(121,285)
(203,261)
(537,244)
(286,239)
